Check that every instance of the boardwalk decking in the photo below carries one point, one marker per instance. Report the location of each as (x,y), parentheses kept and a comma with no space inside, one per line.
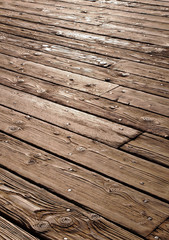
(84,119)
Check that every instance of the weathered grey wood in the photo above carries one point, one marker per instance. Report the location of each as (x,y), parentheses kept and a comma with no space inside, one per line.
(104,196)
(74,120)
(130,116)
(50,216)
(9,231)
(161,233)
(151,147)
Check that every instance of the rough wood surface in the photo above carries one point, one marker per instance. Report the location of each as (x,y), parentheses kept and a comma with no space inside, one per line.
(161,233)
(142,212)
(9,231)
(93,104)
(50,216)
(151,147)
(113,163)
(68,118)
(84,96)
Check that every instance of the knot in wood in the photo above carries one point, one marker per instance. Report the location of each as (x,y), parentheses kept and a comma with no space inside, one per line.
(94,217)
(65,222)
(14,128)
(41,226)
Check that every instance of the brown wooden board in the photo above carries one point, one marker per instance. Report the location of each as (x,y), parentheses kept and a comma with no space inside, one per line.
(99,7)
(111,162)
(133,41)
(23,57)
(139,99)
(51,217)
(106,26)
(130,116)
(74,120)
(161,233)
(151,147)
(128,207)
(85,54)
(9,231)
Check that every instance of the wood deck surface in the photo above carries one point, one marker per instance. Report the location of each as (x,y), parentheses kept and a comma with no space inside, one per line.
(84,119)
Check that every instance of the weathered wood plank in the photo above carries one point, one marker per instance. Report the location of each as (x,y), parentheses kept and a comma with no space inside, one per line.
(100,72)
(50,216)
(99,32)
(108,198)
(9,231)
(96,44)
(68,118)
(106,26)
(57,76)
(130,10)
(102,8)
(139,99)
(161,233)
(123,167)
(130,116)
(85,54)
(151,147)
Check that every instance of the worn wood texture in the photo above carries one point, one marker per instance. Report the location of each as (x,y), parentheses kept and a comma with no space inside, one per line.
(139,99)
(151,147)
(102,71)
(84,96)
(9,231)
(68,118)
(130,208)
(50,216)
(113,163)
(93,104)
(161,233)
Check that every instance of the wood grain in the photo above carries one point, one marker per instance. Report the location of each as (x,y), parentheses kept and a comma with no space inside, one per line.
(130,208)
(161,233)
(67,118)
(139,99)
(111,162)
(93,104)
(51,217)
(151,147)
(9,231)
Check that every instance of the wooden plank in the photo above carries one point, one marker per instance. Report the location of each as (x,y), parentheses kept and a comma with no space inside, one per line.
(64,20)
(154,40)
(139,99)
(89,41)
(102,8)
(130,116)
(68,118)
(50,216)
(151,147)
(9,231)
(80,82)
(113,163)
(106,197)
(161,233)
(116,18)
(85,54)
(100,72)
(57,76)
